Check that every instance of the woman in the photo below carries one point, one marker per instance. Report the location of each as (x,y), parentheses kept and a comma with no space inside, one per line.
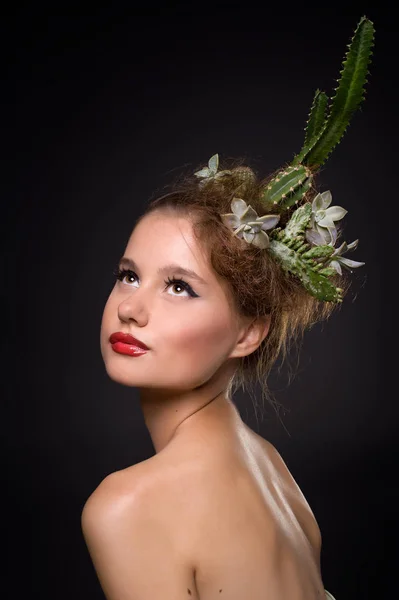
(217,277)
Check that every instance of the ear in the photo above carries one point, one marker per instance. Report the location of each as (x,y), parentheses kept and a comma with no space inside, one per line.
(251,335)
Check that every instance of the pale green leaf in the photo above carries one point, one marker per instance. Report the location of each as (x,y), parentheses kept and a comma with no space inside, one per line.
(335,213)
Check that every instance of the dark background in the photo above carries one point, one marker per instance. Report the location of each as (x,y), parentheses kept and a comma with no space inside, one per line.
(100,112)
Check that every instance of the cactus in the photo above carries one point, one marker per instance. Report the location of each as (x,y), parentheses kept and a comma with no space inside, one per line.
(288,187)
(323,132)
(317,117)
(299,221)
(314,278)
(349,94)
(290,248)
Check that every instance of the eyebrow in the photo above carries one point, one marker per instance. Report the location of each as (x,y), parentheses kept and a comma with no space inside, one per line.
(125,261)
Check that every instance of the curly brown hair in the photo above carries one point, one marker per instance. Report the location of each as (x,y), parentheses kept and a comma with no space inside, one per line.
(257,284)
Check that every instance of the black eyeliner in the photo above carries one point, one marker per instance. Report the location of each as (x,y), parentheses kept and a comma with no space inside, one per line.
(120,274)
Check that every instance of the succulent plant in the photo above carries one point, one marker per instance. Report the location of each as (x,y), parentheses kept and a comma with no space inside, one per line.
(336,259)
(211,173)
(246,223)
(322,228)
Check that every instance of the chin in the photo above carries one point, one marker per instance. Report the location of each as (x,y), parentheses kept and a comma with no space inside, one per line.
(122,374)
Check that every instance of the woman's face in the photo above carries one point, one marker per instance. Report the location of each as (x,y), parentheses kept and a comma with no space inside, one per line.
(190,332)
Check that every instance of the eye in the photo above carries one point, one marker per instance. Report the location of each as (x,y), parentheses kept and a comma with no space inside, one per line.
(122,273)
(180,283)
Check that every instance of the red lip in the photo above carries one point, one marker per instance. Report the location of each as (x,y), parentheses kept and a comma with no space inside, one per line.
(125,338)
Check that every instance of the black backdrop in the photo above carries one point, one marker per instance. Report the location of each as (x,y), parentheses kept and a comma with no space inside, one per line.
(100,111)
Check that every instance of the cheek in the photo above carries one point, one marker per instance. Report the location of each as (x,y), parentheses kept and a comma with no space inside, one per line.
(192,351)
(204,333)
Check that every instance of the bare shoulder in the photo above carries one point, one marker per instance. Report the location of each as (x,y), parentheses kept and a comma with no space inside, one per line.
(126,497)
(114,493)
(131,488)
(165,491)
(174,490)
(131,540)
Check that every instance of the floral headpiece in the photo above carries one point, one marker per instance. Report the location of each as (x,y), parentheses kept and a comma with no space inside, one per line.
(305,246)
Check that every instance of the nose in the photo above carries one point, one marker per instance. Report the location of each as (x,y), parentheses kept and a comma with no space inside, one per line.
(134,308)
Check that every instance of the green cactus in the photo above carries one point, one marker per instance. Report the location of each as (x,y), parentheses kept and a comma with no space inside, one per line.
(349,94)
(298,222)
(323,132)
(317,117)
(288,187)
(314,278)
(290,248)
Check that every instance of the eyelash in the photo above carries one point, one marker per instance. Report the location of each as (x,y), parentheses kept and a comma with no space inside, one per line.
(121,273)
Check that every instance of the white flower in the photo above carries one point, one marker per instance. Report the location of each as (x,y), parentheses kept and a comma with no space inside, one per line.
(337,260)
(246,223)
(322,230)
(210,173)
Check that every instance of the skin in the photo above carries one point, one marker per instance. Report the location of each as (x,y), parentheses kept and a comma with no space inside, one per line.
(195,343)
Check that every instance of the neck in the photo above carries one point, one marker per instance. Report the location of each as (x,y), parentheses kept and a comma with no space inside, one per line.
(167,416)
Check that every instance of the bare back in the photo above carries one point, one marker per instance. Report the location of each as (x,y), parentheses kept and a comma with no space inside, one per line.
(239,518)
